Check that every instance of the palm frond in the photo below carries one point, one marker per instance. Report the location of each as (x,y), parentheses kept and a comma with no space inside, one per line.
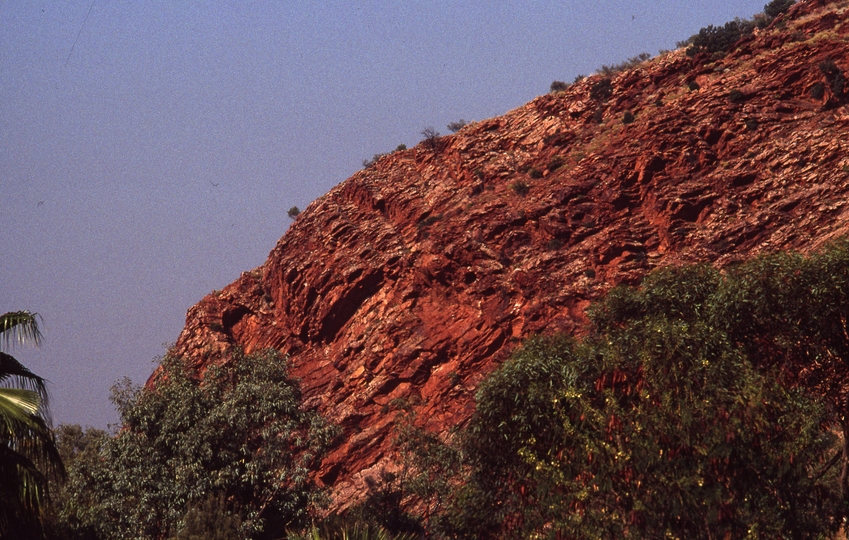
(13,371)
(19,327)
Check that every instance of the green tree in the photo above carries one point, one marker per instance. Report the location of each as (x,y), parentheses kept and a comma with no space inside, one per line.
(776,7)
(236,439)
(662,422)
(28,454)
(791,312)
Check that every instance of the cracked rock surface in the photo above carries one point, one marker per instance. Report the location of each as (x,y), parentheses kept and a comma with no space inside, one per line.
(408,283)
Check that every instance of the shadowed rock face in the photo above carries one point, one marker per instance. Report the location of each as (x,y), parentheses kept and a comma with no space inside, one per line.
(412,280)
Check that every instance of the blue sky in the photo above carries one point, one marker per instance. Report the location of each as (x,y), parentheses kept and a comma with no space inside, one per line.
(149,150)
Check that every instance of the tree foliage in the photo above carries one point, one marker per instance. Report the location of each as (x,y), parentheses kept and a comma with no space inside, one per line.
(776,7)
(719,39)
(236,443)
(703,404)
(28,454)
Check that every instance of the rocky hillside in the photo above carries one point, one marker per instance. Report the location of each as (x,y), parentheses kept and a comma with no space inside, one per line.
(410,281)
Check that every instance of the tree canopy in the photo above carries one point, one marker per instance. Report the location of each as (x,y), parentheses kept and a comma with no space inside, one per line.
(193,450)
(702,404)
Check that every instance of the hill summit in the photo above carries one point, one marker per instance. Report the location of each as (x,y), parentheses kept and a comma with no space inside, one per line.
(409,282)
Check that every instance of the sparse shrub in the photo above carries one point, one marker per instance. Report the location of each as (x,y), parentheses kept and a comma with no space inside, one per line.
(369,163)
(427,221)
(685,42)
(534,173)
(719,39)
(554,244)
(598,115)
(777,7)
(431,138)
(752,124)
(400,147)
(558,86)
(454,127)
(736,96)
(590,273)
(555,163)
(628,118)
(578,78)
(693,86)
(520,188)
(293,212)
(602,89)
(630,63)
(834,76)
(818,90)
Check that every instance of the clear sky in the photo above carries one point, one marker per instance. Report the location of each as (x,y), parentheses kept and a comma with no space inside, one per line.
(149,150)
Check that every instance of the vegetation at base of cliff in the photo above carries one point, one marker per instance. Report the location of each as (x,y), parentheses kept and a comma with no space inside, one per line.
(703,404)
(196,459)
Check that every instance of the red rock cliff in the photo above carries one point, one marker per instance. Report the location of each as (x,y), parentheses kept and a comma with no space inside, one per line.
(413,279)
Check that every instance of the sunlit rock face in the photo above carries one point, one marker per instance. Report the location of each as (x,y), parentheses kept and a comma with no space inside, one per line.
(409,282)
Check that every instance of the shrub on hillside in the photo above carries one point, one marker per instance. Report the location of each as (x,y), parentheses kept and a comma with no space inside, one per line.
(835,78)
(602,89)
(431,138)
(369,163)
(630,63)
(520,188)
(454,127)
(719,39)
(558,86)
(777,7)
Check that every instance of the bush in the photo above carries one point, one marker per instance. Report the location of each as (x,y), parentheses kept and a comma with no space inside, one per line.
(693,86)
(628,118)
(558,86)
(454,127)
(630,63)
(719,39)
(520,188)
(238,439)
(735,96)
(777,7)
(601,90)
(431,138)
(835,77)
(818,90)
(598,115)
(555,163)
(293,212)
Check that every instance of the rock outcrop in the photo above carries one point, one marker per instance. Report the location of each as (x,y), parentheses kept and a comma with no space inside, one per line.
(409,282)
